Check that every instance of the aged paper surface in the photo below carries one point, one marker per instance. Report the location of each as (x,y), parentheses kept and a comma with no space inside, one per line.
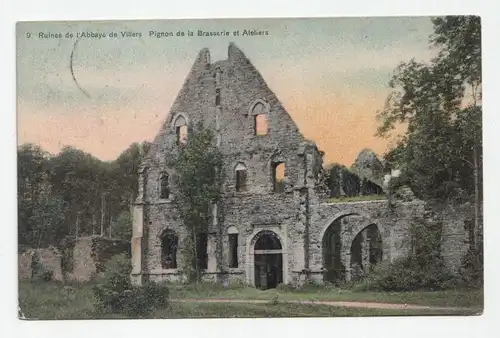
(314,167)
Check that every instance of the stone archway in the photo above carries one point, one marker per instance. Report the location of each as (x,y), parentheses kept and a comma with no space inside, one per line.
(333,249)
(268,260)
(366,251)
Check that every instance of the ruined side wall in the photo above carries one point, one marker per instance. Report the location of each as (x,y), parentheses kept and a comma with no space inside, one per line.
(83,264)
(393,225)
(51,259)
(90,255)
(25,261)
(46,258)
(455,239)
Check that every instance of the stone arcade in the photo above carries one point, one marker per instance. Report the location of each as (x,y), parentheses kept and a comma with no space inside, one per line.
(273,224)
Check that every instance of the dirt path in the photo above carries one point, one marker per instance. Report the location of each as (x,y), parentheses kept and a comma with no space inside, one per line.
(367,305)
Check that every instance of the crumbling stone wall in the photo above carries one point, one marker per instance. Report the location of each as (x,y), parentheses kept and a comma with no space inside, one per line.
(222,96)
(46,258)
(393,224)
(454,237)
(25,260)
(259,208)
(91,253)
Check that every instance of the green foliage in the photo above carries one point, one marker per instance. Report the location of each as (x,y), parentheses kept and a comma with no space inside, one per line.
(42,273)
(440,154)
(39,271)
(189,259)
(32,185)
(472,269)
(122,226)
(339,176)
(116,294)
(459,38)
(47,220)
(197,181)
(423,268)
(58,192)
(126,172)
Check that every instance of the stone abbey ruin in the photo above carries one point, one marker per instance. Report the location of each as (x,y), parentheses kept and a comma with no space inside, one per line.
(275,224)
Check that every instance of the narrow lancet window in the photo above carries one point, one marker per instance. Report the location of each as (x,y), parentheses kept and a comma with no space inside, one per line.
(241,177)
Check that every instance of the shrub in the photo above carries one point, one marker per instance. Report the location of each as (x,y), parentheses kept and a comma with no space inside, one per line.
(142,300)
(116,294)
(40,271)
(406,274)
(422,269)
(46,275)
(471,272)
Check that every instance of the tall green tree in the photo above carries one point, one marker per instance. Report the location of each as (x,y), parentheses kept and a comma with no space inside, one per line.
(32,185)
(197,183)
(89,194)
(48,220)
(440,102)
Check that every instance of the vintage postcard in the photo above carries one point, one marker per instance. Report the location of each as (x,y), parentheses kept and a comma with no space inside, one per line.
(298,167)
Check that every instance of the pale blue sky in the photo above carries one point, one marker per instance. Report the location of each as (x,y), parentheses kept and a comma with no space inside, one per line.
(325,71)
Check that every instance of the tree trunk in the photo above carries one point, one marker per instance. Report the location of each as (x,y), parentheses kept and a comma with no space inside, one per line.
(477,199)
(195,247)
(40,237)
(110,223)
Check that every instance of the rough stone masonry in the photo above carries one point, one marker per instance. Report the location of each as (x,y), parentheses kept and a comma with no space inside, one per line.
(267,229)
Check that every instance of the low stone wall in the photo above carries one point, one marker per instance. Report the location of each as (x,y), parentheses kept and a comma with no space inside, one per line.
(25,262)
(83,265)
(46,258)
(91,253)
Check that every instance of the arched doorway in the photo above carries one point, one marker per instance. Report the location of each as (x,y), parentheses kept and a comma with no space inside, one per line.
(334,269)
(268,260)
(366,251)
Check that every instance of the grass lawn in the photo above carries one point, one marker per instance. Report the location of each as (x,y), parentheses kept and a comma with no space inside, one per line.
(214,310)
(449,298)
(53,301)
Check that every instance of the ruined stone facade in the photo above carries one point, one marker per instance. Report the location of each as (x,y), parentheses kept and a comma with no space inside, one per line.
(263,232)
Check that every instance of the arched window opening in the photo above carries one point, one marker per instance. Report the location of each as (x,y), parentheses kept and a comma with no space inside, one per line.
(233,247)
(241,177)
(366,252)
(279,177)
(332,259)
(164,189)
(260,125)
(181,130)
(169,243)
(259,112)
(182,135)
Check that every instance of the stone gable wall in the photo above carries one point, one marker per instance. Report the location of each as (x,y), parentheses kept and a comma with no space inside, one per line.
(298,216)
